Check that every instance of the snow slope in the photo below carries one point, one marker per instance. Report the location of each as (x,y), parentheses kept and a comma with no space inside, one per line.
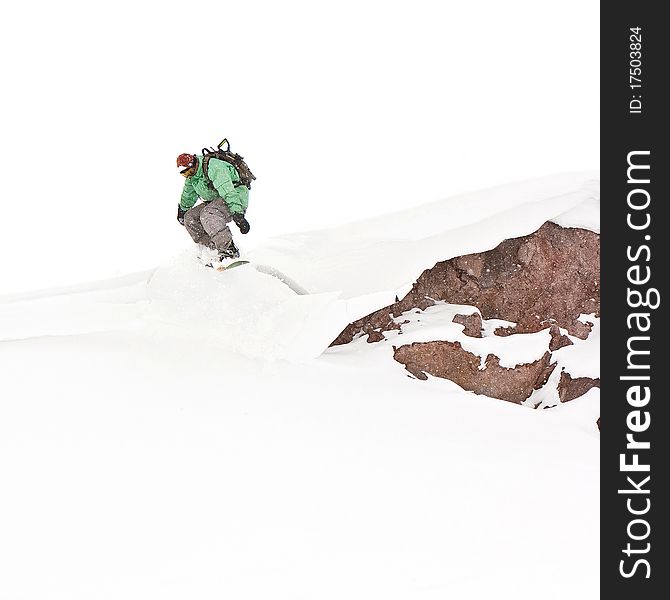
(385,254)
(348,271)
(170,434)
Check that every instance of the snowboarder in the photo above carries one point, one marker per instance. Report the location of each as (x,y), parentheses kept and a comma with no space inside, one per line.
(225,198)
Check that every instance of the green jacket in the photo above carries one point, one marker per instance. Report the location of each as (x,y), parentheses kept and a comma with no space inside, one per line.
(224,176)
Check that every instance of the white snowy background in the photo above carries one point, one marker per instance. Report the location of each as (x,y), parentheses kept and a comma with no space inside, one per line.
(344,110)
(172,432)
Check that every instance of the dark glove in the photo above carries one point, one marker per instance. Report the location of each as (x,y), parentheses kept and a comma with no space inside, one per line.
(241,222)
(180,214)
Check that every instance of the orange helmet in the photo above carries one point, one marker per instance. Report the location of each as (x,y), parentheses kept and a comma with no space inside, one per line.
(185,160)
(188,163)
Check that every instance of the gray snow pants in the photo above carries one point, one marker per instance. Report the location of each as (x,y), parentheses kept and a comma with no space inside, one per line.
(207,223)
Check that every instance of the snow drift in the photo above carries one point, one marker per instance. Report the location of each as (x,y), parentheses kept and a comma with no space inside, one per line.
(165,434)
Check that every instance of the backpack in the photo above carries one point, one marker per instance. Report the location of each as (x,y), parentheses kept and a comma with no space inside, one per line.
(246,176)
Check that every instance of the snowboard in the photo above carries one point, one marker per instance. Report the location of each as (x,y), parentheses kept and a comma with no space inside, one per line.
(235,263)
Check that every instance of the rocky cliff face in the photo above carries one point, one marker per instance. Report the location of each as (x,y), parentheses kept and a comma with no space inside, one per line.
(544,280)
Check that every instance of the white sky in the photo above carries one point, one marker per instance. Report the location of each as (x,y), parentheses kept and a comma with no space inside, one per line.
(343,110)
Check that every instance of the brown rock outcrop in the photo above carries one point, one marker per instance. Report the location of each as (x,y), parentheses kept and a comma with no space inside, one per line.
(472,324)
(569,388)
(548,277)
(543,280)
(558,340)
(449,360)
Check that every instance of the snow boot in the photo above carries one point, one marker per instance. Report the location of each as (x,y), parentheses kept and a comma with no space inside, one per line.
(230,252)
